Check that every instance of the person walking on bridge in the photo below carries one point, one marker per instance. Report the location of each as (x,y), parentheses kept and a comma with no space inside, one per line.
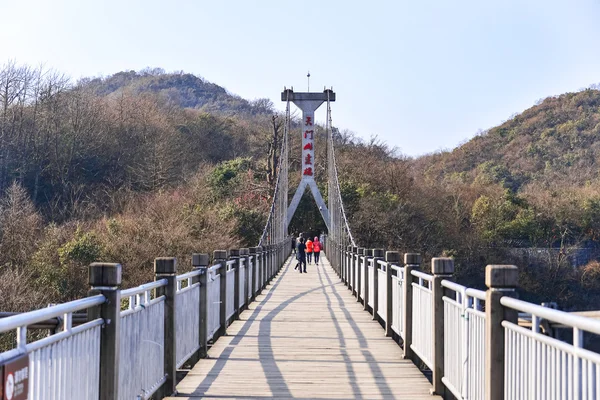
(316,249)
(301,255)
(309,250)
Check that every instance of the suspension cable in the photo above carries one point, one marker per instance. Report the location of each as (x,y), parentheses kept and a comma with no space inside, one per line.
(336,205)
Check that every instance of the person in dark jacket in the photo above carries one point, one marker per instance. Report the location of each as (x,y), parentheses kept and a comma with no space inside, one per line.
(301,255)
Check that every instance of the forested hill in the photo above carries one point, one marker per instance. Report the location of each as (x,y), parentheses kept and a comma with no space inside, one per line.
(179,88)
(555,141)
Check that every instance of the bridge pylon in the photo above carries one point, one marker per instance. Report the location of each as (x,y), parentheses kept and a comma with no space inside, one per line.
(308,102)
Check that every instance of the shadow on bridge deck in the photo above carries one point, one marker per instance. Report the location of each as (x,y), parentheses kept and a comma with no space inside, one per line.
(305,337)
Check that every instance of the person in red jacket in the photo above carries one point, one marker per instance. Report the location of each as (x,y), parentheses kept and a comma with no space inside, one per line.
(316,249)
(309,250)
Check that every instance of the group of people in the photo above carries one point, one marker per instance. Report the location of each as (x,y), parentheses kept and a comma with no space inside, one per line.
(304,250)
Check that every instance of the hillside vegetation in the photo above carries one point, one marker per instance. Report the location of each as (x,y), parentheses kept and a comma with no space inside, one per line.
(137,165)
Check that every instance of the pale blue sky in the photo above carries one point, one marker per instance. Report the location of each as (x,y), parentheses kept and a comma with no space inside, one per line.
(422,75)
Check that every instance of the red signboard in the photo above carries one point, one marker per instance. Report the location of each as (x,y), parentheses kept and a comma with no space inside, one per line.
(15,379)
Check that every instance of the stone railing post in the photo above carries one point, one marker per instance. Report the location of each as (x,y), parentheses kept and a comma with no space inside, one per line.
(368,256)
(220,257)
(166,268)
(391,257)
(441,268)
(105,279)
(377,256)
(501,280)
(412,261)
(245,253)
(347,264)
(254,253)
(234,254)
(263,266)
(354,266)
(200,263)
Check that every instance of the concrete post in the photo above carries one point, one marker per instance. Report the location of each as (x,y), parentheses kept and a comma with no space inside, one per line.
(391,257)
(501,280)
(377,256)
(442,268)
(359,273)
(263,265)
(347,264)
(105,279)
(166,268)
(353,265)
(254,254)
(245,253)
(200,263)
(220,257)
(259,269)
(368,256)
(412,261)
(234,254)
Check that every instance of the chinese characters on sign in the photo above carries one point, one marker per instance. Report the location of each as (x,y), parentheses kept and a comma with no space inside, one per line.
(307,145)
(15,379)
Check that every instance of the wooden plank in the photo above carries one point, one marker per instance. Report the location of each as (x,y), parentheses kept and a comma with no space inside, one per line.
(305,337)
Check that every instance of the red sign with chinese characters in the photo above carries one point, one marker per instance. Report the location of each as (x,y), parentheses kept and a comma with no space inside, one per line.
(15,379)
(307,145)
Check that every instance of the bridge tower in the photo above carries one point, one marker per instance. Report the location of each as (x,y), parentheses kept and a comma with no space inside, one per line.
(308,102)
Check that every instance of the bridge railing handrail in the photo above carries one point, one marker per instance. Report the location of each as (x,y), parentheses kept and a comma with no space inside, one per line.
(33,317)
(140,318)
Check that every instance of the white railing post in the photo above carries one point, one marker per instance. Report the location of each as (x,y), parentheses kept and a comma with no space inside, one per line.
(412,261)
(442,268)
(501,281)
(105,279)
(166,268)
(377,255)
(391,257)
(200,262)
(220,257)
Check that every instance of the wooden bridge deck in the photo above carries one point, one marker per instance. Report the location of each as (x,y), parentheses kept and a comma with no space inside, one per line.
(305,337)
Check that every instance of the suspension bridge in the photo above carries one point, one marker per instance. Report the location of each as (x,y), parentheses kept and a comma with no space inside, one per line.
(364,323)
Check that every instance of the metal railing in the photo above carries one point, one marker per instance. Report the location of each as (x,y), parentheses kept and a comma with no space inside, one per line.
(142,338)
(422,302)
(533,366)
(52,369)
(188,317)
(541,367)
(132,341)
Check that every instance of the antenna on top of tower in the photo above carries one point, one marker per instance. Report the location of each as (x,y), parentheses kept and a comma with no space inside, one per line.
(308,77)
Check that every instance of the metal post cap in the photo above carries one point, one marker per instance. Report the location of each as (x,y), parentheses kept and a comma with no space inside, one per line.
(165,265)
(378,253)
(442,266)
(219,254)
(252,250)
(244,251)
(354,249)
(369,252)
(350,248)
(501,276)
(393,256)
(361,251)
(234,252)
(104,274)
(413,259)
(200,259)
